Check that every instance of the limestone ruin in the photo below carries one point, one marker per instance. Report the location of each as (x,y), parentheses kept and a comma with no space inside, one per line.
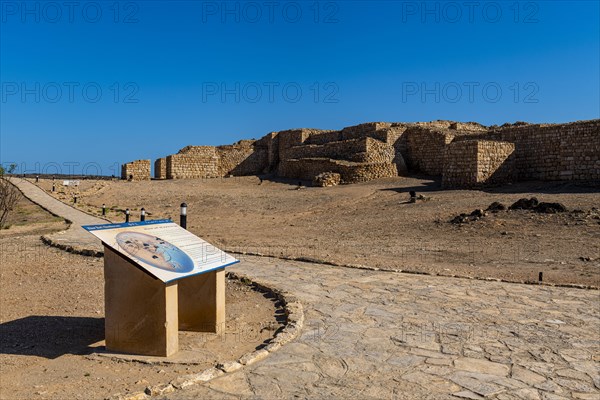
(463,155)
(138,170)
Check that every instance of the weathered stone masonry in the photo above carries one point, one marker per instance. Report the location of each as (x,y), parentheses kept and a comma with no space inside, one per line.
(138,170)
(160,168)
(462,154)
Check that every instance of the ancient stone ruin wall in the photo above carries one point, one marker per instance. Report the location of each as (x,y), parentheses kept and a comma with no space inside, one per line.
(555,152)
(377,152)
(473,163)
(460,164)
(243,158)
(160,168)
(373,150)
(138,170)
(324,137)
(351,172)
(341,150)
(370,129)
(426,149)
(495,162)
(293,137)
(357,153)
(193,162)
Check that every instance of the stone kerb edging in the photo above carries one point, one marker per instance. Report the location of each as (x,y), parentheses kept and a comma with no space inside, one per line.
(404,271)
(294,321)
(48,240)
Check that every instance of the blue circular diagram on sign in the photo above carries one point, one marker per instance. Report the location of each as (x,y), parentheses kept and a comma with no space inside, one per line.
(155,251)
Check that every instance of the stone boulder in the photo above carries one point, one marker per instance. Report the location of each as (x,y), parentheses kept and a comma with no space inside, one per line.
(326,179)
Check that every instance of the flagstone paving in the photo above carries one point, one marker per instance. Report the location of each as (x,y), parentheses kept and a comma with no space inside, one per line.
(371,334)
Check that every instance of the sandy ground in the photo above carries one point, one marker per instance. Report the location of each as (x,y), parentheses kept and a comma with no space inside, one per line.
(51,322)
(372,224)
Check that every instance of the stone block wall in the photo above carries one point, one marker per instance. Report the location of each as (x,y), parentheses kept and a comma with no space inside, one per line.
(340,150)
(426,149)
(242,158)
(196,162)
(160,168)
(473,163)
(350,172)
(376,149)
(369,129)
(495,162)
(324,137)
(555,152)
(138,170)
(460,164)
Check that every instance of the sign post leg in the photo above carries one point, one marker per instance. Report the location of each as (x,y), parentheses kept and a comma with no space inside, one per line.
(202,302)
(141,311)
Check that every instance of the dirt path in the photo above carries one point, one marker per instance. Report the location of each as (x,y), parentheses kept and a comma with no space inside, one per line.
(75,236)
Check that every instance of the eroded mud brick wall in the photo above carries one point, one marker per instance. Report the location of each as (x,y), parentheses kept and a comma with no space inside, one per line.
(160,168)
(138,170)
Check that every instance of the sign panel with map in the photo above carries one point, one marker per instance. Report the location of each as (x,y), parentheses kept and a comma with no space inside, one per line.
(162,248)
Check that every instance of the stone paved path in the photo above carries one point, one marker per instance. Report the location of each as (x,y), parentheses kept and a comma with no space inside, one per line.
(386,335)
(379,335)
(75,237)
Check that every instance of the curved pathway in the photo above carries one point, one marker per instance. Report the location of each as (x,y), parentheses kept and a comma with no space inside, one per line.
(387,335)
(75,238)
(374,334)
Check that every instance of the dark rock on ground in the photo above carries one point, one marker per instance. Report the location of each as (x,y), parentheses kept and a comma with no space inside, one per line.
(550,208)
(496,206)
(478,213)
(524,204)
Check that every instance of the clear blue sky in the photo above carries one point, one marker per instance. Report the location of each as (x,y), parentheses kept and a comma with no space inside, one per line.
(92,82)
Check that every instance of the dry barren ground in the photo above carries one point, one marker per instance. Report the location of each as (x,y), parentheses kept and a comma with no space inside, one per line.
(372,224)
(51,322)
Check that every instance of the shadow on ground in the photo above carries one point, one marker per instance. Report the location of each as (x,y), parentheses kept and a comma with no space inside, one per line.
(546,187)
(430,185)
(50,337)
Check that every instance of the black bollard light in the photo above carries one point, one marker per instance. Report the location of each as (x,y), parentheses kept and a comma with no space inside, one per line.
(540,277)
(53,179)
(53,187)
(127,215)
(183,216)
(103,209)
(143,215)
(37,179)
(75,199)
